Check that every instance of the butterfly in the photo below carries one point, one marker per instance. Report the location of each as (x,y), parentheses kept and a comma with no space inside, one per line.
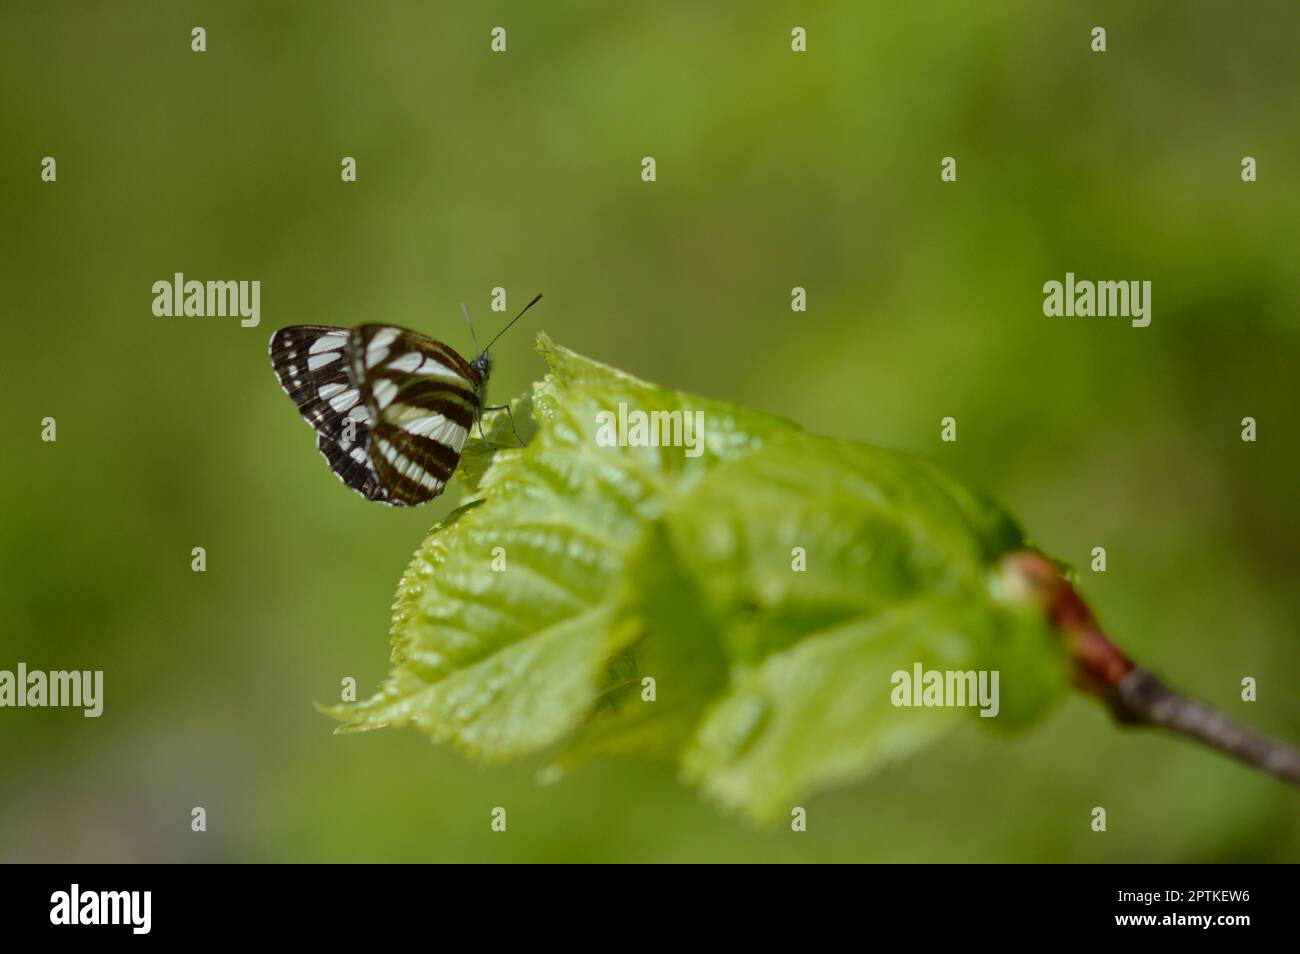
(391,407)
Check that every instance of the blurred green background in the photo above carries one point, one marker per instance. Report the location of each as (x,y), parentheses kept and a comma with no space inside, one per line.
(775,169)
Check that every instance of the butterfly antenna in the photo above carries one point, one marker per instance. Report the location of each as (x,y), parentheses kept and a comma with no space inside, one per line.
(473,337)
(512,321)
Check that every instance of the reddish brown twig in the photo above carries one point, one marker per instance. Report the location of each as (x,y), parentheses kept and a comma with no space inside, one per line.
(1134,696)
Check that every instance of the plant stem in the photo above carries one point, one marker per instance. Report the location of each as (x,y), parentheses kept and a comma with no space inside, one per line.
(1142,699)
(1134,696)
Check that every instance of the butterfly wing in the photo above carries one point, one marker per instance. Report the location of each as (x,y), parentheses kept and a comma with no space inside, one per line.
(424,398)
(391,407)
(311,362)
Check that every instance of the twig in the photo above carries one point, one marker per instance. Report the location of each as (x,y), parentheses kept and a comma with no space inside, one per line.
(1134,696)
(1142,699)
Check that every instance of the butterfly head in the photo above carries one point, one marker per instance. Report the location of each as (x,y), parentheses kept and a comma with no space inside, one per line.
(483,362)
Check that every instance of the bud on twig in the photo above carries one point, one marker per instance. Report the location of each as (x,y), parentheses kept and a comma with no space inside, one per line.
(1134,696)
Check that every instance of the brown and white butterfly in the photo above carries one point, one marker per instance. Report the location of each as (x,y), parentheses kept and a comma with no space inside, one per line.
(391,407)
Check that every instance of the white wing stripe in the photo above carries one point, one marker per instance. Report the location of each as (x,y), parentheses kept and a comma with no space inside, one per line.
(330,342)
(407,362)
(320,360)
(341,402)
(377,350)
(384,391)
(438,428)
(433,368)
(327,391)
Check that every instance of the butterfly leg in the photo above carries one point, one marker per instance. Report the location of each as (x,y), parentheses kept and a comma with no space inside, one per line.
(509,414)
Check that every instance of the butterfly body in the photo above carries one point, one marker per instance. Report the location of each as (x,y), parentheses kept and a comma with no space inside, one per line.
(391,407)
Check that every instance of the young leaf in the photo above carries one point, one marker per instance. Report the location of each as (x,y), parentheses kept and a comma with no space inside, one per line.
(504,622)
(793,684)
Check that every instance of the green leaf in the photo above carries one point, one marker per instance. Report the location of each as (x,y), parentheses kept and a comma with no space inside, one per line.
(500,662)
(630,564)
